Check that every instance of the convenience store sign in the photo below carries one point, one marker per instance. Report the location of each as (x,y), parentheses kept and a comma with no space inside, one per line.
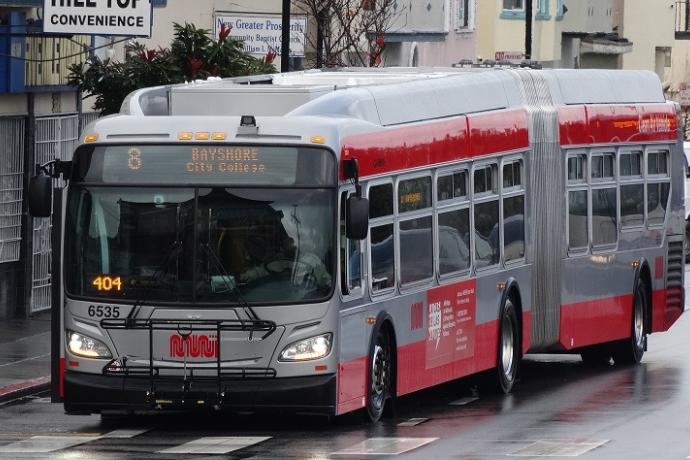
(98,17)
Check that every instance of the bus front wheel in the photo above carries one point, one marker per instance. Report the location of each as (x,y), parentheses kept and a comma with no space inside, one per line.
(379,376)
(508,357)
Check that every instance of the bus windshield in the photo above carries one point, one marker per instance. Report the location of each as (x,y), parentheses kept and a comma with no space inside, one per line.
(200,245)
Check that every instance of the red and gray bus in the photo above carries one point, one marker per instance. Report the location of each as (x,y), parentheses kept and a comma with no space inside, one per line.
(325,242)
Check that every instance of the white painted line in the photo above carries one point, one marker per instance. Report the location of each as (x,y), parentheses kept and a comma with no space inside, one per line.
(558,448)
(45,444)
(125,434)
(385,446)
(413,422)
(215,445)
(463,401)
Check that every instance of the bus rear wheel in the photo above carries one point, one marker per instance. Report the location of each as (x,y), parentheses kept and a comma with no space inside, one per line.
(508,349)
(379,376)
(631,350)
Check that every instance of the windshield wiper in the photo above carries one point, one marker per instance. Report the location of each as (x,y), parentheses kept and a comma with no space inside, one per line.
(228,280)
(162,269)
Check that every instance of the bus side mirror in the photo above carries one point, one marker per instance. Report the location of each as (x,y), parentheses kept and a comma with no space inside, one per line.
(357,214)
(40,196)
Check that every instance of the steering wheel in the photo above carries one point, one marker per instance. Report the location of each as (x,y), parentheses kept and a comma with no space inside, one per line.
(280,266)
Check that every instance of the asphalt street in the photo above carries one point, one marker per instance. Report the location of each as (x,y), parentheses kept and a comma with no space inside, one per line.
(560,408)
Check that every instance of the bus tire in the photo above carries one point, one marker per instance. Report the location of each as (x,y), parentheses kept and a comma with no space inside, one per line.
(631,350)
(508,356)
(378,375)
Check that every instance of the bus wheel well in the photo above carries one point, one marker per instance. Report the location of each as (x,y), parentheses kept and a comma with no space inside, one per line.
(645,278)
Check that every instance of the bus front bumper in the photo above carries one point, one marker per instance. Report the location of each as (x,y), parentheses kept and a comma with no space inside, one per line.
(90,393)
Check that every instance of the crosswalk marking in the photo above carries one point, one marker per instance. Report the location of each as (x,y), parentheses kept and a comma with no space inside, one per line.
(463,401)
(125,434)
(45,444)
(413,422)
(558,448)
(215,445)
(385,446)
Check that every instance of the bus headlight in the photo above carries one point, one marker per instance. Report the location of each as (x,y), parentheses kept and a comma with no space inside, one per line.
(307,349)
(82,345)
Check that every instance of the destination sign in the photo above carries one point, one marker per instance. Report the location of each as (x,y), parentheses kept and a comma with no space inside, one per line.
(205,164)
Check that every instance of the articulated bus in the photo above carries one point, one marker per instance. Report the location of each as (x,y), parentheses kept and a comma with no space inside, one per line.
(325,242)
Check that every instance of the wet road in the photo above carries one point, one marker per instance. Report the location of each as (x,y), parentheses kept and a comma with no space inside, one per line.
(559,408)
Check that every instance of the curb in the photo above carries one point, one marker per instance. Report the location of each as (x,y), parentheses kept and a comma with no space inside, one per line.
(25,388)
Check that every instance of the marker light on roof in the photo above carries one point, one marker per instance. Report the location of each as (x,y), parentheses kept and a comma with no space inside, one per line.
(91,138)
(218,136)
(203,136)
(185,136)
(318,140)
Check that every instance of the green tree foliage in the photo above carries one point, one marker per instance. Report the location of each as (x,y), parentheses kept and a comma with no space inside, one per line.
(193,54)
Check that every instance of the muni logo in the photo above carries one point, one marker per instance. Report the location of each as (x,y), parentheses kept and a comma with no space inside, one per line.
(194,346)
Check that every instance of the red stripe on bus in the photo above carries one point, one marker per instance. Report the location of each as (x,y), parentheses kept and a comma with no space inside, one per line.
(611,124)
(413,374)
(400,148)
(595,321)
(351,385)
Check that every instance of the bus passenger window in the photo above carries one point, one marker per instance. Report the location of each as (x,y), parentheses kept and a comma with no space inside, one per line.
(416,261)
(657,163)
(577,219)
(631,164)
(514,228)
(484,179)
(454,241)
(512,173)
(576,168)
(486,236)
(632,205)
(602,166)
(604,228)
(382,257)
(452,186)
(657,202)
(414,194)
(380,200)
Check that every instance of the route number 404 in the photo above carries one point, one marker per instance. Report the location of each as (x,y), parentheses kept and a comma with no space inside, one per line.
(103,311)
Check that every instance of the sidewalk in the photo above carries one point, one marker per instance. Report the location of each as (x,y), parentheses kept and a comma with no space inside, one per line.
(24,356)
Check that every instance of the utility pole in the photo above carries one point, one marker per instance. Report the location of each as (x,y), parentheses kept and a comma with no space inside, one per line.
(528,29)
(285,46)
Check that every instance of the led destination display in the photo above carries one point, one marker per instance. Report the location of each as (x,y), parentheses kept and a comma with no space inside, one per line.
(205,164)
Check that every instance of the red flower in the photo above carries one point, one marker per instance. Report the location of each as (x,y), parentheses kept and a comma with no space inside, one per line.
(194,66)
(148,55)
(270,57)
(379,40)
(224,32)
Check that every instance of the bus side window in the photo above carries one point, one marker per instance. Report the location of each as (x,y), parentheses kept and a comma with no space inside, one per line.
(632,189)
(578,215)
(382,237)
(658,187)
(604,200)
(513,212)
(350,256)
(486,229)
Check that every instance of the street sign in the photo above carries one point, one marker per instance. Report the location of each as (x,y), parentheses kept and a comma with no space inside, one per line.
(262,33)
(98,17)
(509,56)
